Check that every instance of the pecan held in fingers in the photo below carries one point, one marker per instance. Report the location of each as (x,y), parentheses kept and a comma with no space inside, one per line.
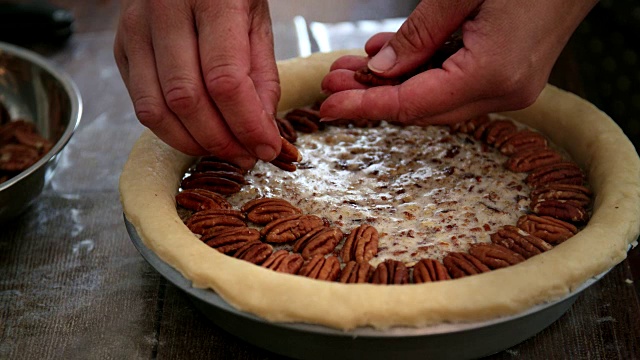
(289,155)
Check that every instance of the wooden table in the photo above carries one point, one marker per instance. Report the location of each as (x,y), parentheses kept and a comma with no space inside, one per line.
(73,286)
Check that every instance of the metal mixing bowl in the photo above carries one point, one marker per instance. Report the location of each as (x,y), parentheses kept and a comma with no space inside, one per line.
(31,88)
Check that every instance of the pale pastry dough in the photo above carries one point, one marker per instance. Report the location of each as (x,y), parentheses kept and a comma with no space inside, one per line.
(151,177)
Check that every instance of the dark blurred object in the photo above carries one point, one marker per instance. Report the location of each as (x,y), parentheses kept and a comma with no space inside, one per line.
(34,23)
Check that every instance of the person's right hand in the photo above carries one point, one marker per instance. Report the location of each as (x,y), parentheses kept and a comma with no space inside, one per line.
(202,75)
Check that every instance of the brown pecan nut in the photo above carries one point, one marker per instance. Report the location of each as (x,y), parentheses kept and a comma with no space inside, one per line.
(532,158)
(368,78)
(578,194)
(212,181)
(356,272)
(289,154)
(290,228)
(305,120)
(17,157)
(547,228)
(34,140)
(498,131)
(255,252)
(321,268)
(428,270)
(564,172)
(230,240)
(319,241)
(361,244)
(211,163)
(390,272)
(287,130)
(8,130)
(521,140)
(214,220)
(201,199)
(460,264)
(264,210)
(495,256)
(284,261)
(520,241)
(469,126)
(562,209)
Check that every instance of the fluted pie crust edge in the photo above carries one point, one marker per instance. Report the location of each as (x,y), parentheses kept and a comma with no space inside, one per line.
(152,174)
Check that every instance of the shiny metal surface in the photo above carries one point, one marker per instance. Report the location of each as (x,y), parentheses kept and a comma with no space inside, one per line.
(309,341)
(32,89)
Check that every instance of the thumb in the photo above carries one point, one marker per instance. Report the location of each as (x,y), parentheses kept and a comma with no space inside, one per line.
(424,31)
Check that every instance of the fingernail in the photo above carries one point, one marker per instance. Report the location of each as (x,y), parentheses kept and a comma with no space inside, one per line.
(383,60)
(246,162)
(328,119)
(265,152)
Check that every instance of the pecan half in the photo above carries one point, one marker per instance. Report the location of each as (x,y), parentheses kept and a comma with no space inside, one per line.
(230,240)
(290,228)
(469,126)
(33,139)
(578,194)
(562,209)
(356,272)
(288,155)
(547,228)
(8,130)
(390,272)
(520,241)
(564,172)
(368,78)
(215,220)
(287,130)
(319,241)
(284,261)
(321,268)
(17,157)
(264,210)
(361,244)
(211,163)
(498,131)
(460,264)
(521,140)
(255,252)
(532,158)
(495,256)
(201,199)
(212,181)
(304,120)
(428,270)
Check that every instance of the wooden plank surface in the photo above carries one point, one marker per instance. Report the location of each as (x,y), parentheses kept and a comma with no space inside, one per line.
(72,286)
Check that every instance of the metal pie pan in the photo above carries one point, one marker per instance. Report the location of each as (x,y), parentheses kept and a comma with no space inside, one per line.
(309,341)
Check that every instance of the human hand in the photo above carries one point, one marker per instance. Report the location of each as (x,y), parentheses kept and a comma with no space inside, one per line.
(202,75)
(509,50)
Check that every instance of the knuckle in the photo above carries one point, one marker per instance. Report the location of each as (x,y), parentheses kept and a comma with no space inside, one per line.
(148,111)
(413,36)
(223,80)
(130,19)
(181,95)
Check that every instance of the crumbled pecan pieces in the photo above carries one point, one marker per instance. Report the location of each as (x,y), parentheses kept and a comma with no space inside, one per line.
(321,268)
(547,228)
(290,228)
(429,270)
(390,272)
(356,272)
(264,210)
(361,244)
(284,261)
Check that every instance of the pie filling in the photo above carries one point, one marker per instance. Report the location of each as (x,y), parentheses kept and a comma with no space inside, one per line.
(480,195)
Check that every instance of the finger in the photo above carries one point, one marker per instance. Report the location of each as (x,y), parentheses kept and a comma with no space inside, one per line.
(264,71)
(134,55)
(350,62)
(225,56)
(376,42)
(424,31)
(340,80)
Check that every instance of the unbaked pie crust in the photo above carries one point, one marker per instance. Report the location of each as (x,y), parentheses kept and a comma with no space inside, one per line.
(151,177)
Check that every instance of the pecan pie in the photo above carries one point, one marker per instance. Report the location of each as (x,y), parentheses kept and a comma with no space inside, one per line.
(396,226)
